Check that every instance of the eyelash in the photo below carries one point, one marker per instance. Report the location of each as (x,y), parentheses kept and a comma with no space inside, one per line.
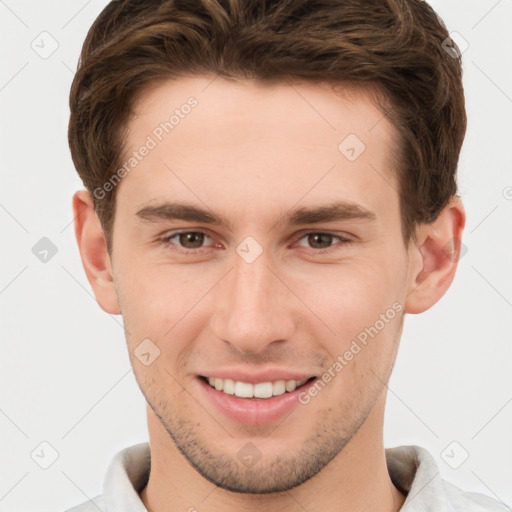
(166,241)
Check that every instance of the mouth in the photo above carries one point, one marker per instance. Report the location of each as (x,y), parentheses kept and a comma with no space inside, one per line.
(254,398)
(260,390)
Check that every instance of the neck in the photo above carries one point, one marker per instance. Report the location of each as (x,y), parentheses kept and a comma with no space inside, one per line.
(356,479)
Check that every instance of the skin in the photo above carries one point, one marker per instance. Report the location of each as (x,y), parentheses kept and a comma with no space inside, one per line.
(251,153)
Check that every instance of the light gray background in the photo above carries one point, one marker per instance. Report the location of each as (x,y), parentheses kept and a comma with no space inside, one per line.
(65,376)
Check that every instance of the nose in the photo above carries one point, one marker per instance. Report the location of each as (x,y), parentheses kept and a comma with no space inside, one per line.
(253,309)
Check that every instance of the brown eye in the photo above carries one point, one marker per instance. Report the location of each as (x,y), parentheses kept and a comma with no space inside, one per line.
(191,240)
(322,243)
(185,242)
(320,240)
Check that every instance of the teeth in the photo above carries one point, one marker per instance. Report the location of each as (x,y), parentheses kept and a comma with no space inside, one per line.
(278,387)
(263,390)
(229,387)
(259,390)
(290,385)
(244,390)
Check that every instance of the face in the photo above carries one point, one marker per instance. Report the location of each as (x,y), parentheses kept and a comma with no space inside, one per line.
(253,252)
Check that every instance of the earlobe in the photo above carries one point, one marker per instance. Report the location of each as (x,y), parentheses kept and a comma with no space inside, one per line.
(434,258)
(93,252)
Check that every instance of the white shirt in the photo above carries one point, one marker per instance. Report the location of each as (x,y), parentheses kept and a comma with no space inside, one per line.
(411,468)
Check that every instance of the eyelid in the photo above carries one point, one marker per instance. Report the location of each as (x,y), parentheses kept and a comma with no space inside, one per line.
(342,235)
(172,234)
(343,240)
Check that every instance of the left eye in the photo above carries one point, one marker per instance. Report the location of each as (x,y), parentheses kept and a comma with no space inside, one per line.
(194,238)
(321,240)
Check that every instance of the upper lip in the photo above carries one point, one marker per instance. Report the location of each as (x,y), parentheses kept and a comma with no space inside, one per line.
(254,377)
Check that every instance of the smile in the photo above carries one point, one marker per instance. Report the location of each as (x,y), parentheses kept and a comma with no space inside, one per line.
(267,389)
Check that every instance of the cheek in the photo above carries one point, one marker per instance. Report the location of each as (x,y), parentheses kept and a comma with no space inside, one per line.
(360,308)
(356,290)
(161,305)
(157,293)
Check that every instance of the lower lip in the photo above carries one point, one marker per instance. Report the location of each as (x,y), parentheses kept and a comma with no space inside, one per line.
(253,411)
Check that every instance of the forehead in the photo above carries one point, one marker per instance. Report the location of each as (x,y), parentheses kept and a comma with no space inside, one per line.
(212,137)
(325,110)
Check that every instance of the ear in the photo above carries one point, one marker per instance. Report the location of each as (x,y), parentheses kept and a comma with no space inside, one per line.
(93,251)
(434,257)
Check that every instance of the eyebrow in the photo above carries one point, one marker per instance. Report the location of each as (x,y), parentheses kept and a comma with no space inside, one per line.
(339,211)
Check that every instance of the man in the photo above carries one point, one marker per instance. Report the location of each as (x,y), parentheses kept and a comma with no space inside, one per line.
(271,187)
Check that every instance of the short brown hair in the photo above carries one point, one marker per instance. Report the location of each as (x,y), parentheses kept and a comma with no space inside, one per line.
(395,47)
